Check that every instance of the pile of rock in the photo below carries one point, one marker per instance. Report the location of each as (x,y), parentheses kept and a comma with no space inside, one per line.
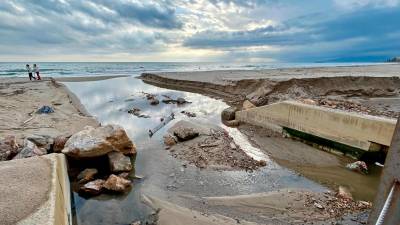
(152,98)
(207,146)
(33,145)
(168,100)
(137,112)
(111,141)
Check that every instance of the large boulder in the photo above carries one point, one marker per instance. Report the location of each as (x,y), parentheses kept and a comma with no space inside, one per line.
(29,150)
(8,148)
(116,183)
(94,142)
(86,175)
(119,162)
(185,132)
(93,187)
(228,114)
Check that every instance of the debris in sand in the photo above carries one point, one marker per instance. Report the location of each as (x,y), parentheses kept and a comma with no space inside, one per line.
(136,111)
(344,193)
(189,114)
(116,183)
(29,150)
(335,207)
(162,124)
(45,110)
(358,166)
(93,142)
(86,175)
(8,148)
(207,146)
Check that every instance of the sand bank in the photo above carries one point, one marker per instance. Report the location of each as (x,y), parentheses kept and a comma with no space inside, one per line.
(20,99)
(355,84)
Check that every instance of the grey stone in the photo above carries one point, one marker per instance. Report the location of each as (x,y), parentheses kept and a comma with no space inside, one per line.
(119,162)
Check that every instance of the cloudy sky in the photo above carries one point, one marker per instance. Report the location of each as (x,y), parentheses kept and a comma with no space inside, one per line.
(199,30)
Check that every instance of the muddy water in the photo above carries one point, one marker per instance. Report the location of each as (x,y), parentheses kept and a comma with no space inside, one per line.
(164,176)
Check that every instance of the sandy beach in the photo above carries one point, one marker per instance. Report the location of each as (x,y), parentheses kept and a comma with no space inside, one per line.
(21,99)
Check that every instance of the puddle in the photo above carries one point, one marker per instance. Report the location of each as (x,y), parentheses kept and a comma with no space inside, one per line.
(164,176)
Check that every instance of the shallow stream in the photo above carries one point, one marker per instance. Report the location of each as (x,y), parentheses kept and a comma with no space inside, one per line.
(165,177)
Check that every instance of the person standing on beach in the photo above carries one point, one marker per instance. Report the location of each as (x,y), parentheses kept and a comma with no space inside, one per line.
(36,70)
(29,72)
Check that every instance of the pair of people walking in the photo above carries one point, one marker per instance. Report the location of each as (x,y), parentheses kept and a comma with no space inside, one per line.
(31,71)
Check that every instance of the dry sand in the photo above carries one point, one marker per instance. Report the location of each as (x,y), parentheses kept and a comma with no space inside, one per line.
(20,99)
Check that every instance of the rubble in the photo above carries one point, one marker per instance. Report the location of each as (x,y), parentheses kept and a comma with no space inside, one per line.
(189,114)
(137,112)
(358,166)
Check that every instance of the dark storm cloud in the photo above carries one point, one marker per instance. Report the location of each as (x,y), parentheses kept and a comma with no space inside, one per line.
(376,30)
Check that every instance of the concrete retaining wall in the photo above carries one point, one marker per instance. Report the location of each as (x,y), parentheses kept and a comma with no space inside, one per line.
(57,209)
(359,131)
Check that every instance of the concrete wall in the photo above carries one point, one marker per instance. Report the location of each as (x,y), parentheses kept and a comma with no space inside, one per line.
(57,209)
(352,129)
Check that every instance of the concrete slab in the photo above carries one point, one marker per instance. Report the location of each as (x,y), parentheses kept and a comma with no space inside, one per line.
(352,129)
(35,191)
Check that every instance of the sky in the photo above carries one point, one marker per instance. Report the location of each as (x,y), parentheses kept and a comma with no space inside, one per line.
(199,30)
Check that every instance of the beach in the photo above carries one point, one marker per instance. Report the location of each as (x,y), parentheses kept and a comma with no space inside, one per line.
(177,189)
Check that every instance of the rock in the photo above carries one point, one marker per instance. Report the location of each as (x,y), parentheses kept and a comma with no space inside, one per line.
(136,112)
(228,113)
(181,101)
(184,133)
(136,223)
(358,166)
(42,141)
(119,162)
(154,101)
(93,187)
(115,183)
(30,150)
(309,101)
(124,175)
(59,143)
(344,193)
(247,105)
(262,163)
(94,142)
(169,140)
(189,114)
(319,206)
(8,148)
(86,175)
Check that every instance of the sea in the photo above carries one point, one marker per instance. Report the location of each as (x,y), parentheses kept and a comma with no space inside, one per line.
(73,69)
